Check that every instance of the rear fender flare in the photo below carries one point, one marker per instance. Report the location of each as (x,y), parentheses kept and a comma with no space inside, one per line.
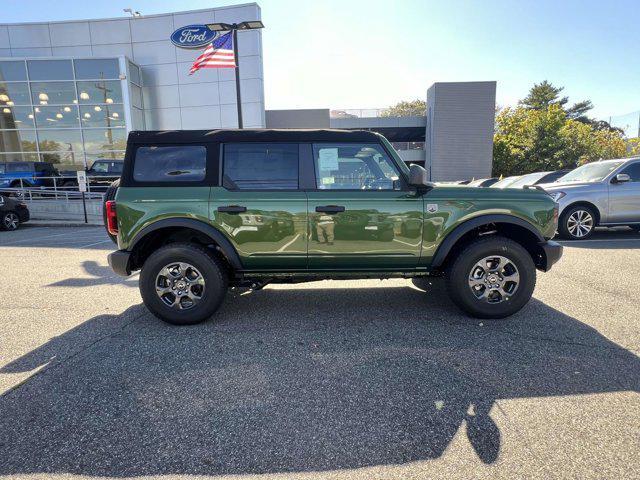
(216,236)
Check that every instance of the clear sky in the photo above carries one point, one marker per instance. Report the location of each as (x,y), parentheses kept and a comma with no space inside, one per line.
(366,54)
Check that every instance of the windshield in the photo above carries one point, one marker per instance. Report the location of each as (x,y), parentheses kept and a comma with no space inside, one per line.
(530,179)
(401,163)
(505,182)
(591,172)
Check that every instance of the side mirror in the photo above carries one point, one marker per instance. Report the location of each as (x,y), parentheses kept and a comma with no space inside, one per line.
(621,178)
(418,177)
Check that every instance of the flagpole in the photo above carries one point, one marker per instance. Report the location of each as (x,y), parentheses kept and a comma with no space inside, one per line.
(237,69)
(234,27)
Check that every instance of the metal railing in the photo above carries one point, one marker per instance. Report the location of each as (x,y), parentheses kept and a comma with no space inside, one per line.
(357,112)
(401,146)
(60,188)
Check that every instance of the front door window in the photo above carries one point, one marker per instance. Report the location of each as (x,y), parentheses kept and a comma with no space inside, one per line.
(354,167)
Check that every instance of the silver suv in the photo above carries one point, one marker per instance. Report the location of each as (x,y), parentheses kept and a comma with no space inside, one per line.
(605,193)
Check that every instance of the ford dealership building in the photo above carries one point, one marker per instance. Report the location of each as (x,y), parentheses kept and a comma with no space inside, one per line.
(70,91)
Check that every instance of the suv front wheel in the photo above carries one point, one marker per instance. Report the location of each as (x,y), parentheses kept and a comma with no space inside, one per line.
(183,283)
(492,277)
(577,223)
(10,221)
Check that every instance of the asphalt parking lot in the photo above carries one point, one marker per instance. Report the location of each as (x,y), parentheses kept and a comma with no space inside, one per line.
(358,379)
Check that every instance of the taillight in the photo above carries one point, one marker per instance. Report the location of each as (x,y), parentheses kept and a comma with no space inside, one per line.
(112,217)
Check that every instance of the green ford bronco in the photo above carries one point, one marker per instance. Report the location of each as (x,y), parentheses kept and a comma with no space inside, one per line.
(201,211)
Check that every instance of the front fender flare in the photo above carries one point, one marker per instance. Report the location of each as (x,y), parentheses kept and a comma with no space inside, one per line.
(458,232)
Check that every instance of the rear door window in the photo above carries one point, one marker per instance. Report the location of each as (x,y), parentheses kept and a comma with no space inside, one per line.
(46,169)
(182,163)
(260,166)
(100,167)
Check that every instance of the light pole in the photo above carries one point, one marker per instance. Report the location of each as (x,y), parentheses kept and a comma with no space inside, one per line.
(234,27)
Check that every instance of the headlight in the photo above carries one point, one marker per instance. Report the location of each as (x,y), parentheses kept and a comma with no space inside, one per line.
(557,195)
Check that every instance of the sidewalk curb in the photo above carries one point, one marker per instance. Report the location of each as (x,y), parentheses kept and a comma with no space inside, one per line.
(59,223)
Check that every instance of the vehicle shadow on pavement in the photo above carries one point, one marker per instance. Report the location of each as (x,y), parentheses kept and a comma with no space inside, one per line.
(293,380)
(605,239)
(100,275)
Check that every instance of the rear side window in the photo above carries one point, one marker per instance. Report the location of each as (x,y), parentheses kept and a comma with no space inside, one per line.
(261,166)
(102,167)
(184,163)
(18,167)
(45,168)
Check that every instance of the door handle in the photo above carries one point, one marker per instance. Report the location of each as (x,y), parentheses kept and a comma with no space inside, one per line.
(232,209)
(330,209)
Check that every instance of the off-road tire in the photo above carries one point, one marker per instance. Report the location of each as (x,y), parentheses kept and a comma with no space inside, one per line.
(459,270)
(110,194)
(9,221)
(210,267)
(563,227)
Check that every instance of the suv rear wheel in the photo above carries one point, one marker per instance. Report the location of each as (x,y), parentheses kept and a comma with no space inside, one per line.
(492,277)
(577,223)
(183,283)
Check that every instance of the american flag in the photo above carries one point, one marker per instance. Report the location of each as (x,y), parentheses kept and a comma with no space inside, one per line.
(219,54)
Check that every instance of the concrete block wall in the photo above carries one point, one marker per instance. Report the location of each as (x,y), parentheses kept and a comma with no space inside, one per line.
(459,135)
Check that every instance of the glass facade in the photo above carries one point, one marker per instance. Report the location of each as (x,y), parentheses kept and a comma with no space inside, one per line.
(71,112)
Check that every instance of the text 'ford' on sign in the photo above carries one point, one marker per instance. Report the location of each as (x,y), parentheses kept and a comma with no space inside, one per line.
(192,36)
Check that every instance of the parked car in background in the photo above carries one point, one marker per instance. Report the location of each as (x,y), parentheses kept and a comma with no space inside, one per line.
(553,176)
(534,178)
(605,193)
(100,174)
(12,213)
(483,182)
(528,179)
(27,174)
(505,182)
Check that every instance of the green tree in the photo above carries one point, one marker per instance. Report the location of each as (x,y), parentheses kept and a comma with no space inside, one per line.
(544,94)
(530,140)
(412,108)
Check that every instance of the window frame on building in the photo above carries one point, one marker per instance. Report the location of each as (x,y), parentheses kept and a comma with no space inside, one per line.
(117,122)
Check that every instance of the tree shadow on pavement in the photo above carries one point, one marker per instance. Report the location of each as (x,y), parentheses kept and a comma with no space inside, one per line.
(293,380)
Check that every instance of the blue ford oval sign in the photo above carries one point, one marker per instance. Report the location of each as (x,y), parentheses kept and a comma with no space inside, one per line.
(192,36)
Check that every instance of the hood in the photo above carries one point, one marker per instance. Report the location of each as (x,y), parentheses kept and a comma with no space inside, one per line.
(552,187)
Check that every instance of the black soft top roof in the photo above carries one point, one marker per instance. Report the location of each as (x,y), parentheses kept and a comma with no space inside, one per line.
(253,135)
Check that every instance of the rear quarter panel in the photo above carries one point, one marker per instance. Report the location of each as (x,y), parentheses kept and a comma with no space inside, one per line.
(456,205)
(138,207)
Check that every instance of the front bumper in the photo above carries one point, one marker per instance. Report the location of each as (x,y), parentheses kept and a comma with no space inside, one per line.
(119,262)
(551,253)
